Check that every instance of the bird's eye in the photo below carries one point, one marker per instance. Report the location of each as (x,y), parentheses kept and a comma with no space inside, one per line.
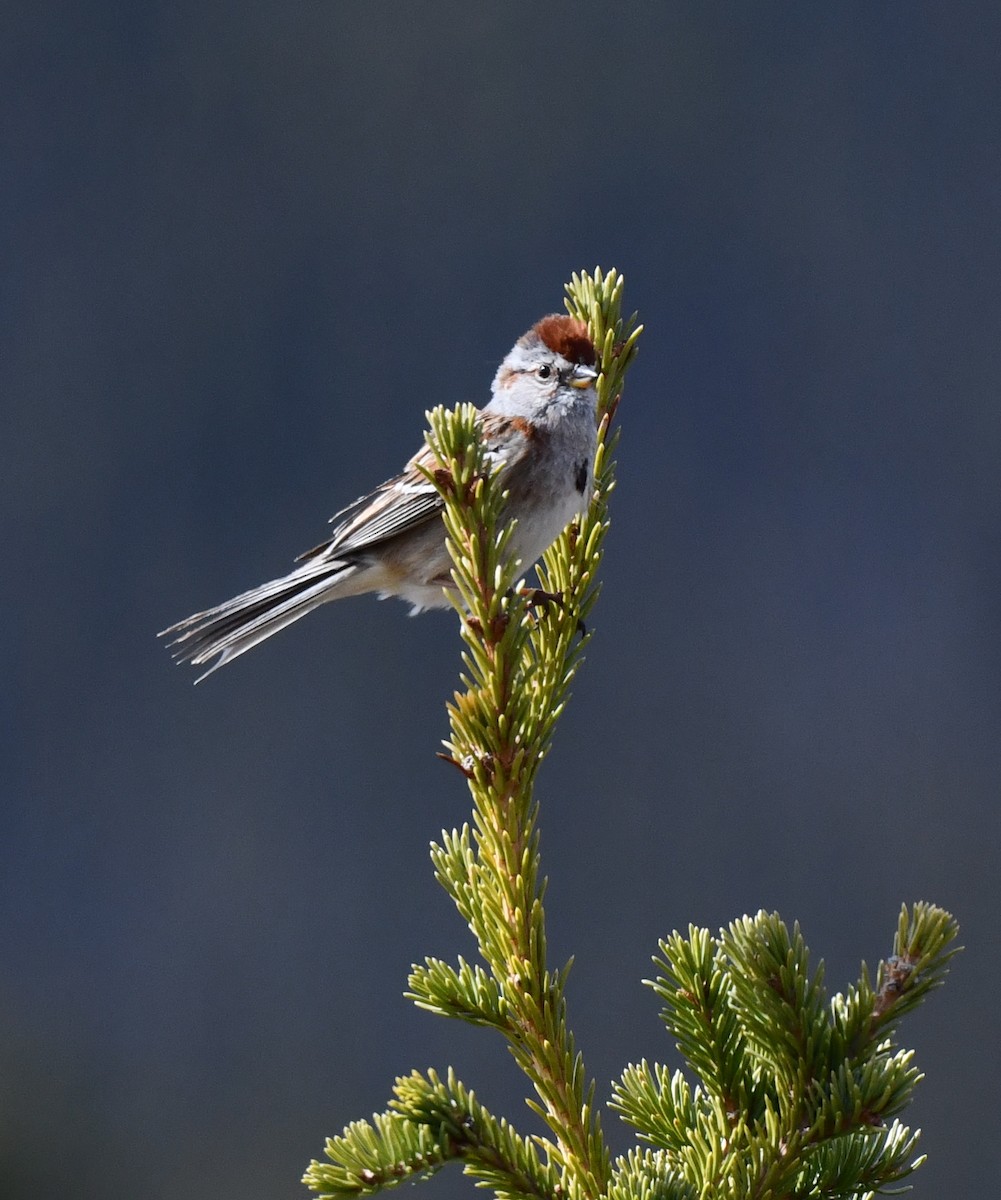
(545,371)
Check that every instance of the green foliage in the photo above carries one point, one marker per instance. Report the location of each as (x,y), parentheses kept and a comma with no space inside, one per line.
(793,1095)
(431,1122)
(795,1091)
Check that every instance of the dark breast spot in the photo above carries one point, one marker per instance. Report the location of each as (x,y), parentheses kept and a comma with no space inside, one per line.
(580,479)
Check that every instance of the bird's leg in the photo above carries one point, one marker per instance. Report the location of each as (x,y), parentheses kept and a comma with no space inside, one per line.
(539,598)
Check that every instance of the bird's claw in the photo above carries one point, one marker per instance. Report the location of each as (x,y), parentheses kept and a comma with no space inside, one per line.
(536,597)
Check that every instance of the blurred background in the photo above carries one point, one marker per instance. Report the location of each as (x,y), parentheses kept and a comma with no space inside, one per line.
(245,246)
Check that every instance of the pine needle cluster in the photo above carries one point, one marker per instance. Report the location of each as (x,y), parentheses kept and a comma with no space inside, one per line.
(795,1095)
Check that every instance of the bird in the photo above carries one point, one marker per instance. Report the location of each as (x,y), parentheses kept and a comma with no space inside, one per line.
(539,430)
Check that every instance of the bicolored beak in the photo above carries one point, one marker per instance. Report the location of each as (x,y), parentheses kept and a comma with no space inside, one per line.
(582,377)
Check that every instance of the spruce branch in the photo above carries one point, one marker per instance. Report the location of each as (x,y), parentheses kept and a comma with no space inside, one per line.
(519,663)
(490,1148)
(648,1175)
(431,1122)
(794,1094)
(469,992)
(370,1156)
(797,1094)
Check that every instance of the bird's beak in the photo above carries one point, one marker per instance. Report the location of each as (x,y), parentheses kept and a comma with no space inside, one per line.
(582,376)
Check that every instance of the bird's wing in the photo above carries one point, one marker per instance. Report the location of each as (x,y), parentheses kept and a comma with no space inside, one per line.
(401,503)
(408,500)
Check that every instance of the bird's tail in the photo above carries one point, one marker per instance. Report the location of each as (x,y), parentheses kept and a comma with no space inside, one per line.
(232,628)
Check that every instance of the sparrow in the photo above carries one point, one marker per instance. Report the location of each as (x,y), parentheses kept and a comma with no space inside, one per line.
(540,432)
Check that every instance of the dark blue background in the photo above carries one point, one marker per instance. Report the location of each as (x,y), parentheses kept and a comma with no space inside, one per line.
(245,246)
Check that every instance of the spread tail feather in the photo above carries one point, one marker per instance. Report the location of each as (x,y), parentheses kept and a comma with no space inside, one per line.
(232,628)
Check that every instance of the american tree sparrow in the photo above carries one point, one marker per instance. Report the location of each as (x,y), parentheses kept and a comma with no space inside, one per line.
(540,425)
